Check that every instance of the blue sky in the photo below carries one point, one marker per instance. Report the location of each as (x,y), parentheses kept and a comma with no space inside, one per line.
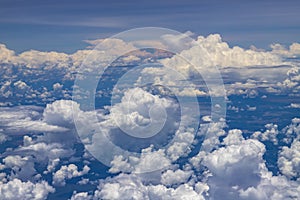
(63,25)
(210,121)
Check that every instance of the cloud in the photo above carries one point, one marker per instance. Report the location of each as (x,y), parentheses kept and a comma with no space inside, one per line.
(22,167)
(238,171)
(292,51)
(60,113)
(68,172)
(81,196)
(208,54)
(177,177)
(6,55)
(131,187)
(291,84)
(25,120)
(289,162)
(36,59)
(141,123)
(228,166)
(3,137)
(16,189)
(270,134)
(231,167)
(212,51)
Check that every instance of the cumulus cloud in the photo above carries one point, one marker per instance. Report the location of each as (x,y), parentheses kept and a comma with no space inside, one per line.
(292,83)
(270,134)
(35,59)
(25,120)
(142,123)
(178,176)
(212,51)
(292,51)
(6,55)
(16,189)
(3,137)
(81,196)
(22,167)
(289,160)
(238,171)
(227,166)
(207,54)
(131,187)
(68,172)
(60,113)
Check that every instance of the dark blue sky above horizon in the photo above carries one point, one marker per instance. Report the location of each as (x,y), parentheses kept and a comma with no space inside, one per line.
(63,25)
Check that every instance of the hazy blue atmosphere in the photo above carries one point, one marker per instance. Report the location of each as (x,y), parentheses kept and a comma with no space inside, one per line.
(149,100)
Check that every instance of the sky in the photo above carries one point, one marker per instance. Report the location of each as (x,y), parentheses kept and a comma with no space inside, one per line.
(64,25)
(202,118)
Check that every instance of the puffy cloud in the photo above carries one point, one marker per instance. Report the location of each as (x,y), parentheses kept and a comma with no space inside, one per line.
(60,113)
(36,59)
(131,187)
(148,126)
(291,132)
(35,150)
(234,137)
(81,196)
(270,134)
(21,85)
(272,187)
(138,109)
(68,172)
(178,176)
(148,161)
(24,120)
(6,55)
(212,51)
(5,89)
(57,86)
(202,57)
(289,160)
(16,189)
(3,137)
(292,51)
(292,83)
(22,167)
(294,105)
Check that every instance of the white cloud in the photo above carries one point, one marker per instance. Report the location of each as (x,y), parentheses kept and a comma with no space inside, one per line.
(131,187)
(22,167)
(36,59)
(292,51)
(81,196)
(178,176)
(68,172)
(272,187)
(289,160)
(270,134)
(5,89)
(57,86)
(6,55)
(292,82)
(60,113)
(212,51)
(234,137)
(294,105)
(16,189)
(21,85)
(43,151)
(3,137)
(24,120)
